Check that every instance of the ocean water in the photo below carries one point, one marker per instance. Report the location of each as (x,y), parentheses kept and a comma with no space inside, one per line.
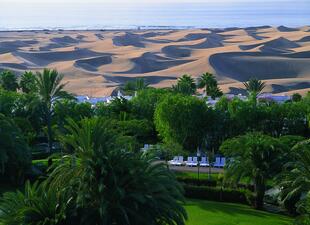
(22,14)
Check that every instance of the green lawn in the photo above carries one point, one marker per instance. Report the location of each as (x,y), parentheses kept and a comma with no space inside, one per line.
(202,212)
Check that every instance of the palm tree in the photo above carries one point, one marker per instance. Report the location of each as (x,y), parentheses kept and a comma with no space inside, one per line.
(28,82)
(254,86)
(206,80)
(8,81)
(50,90)
(37,204)
(115,186)
(255,156)
(295,180)
(185,85)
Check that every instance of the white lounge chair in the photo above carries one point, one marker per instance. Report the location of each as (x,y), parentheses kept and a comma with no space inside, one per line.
(217,162)
(204,162)
(195,161)
(189,161)
(223,160)
(180,161)
(174,161)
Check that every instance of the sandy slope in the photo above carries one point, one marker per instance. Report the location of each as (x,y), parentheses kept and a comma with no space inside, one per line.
(95,62)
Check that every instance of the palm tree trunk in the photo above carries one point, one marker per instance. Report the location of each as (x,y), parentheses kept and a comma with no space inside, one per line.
(260,189)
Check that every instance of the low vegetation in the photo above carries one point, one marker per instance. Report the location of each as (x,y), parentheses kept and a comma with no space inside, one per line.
(77,163)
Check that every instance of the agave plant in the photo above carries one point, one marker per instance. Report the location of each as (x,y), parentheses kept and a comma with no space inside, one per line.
(115,186)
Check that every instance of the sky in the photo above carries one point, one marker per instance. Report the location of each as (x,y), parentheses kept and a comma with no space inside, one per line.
(122,13)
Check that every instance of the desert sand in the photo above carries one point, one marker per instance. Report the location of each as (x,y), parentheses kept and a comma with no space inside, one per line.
(94,63)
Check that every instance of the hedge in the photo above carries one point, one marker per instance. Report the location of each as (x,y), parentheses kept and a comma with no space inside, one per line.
(219,194)
(196,182)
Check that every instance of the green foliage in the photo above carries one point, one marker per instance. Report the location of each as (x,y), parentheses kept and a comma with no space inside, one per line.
(209,82)
(182,119)
(27,82)
(8,81)
(132,86)
(304,210)
(218,194)
(15,158)
(296,97)
(295,179)
(254,87)
(112,185)
(38,204)
(145,102)
(50,90)
(255,156)
(185,85)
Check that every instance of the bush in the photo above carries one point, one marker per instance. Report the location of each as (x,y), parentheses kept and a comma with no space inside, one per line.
(196,182)
(219,194)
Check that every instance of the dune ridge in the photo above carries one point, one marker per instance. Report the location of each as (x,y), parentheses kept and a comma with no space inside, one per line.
(97,62)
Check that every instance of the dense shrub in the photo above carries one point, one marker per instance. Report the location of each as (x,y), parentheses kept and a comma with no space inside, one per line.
(196,182)
(15,159)
(219,194)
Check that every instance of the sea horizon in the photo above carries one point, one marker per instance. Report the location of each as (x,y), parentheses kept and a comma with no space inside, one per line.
(181,15)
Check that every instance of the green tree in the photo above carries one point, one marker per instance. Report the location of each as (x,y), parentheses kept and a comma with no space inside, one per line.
(15,159)
(209,83)
(37,204)
(137,85)
(255,156)
(185,85)
(254,87)
(50,90)
(27,82)
(114,186)
(296,97)
(182,119)
(8,81)
(294,181)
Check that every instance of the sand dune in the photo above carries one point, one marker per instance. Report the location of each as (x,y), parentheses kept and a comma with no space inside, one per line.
(97,62)
(92,64)
(243,65)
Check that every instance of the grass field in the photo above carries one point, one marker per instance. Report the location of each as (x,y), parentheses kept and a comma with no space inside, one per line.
(202,212)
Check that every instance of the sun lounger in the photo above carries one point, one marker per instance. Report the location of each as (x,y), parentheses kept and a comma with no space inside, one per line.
(174,160)
(195,161)
(223,160)
(180,161)
(189,161)
(217,162)
(204,162)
